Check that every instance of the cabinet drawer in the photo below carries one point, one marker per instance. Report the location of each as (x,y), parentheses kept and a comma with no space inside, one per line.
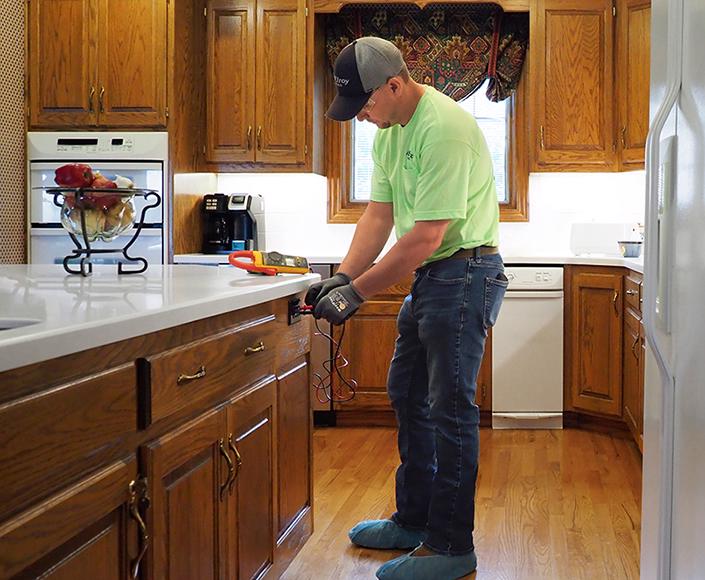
(49,439)
(185,377)
(632,291)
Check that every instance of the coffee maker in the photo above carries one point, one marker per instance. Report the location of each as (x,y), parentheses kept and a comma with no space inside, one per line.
(232,222)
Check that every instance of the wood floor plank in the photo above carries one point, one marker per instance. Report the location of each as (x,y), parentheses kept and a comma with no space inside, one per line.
(560,505)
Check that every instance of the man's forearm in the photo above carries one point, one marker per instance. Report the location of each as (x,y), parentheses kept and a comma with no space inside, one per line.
(404,257)
(371,233)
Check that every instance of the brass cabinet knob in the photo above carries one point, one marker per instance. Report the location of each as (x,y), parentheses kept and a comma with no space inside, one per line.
(199,374)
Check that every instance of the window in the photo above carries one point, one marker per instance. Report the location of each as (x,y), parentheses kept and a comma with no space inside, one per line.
(349,166)
(492,119)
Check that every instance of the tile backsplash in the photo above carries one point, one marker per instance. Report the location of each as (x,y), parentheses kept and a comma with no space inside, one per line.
(296,210)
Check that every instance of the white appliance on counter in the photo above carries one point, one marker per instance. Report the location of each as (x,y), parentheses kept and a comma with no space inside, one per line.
(673,498)
(140,156)
(527,351)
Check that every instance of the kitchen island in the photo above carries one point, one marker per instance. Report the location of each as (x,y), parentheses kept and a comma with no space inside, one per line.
(154,425)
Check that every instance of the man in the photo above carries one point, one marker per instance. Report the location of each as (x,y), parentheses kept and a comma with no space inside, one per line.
(433,182)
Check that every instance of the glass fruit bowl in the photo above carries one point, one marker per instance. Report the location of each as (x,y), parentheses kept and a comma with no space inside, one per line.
(98,214)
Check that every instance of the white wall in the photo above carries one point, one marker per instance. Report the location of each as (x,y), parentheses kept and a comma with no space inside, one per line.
(296,210)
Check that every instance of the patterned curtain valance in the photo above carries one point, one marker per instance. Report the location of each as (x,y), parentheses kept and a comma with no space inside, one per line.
(452,47)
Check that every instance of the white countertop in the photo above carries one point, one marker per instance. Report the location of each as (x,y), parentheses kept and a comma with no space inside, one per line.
(77,313)
(636,264)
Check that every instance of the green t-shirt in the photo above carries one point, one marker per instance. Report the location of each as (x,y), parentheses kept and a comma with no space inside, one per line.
(438,167)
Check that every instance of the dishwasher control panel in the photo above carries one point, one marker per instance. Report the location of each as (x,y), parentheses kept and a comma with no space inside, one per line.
(534,277)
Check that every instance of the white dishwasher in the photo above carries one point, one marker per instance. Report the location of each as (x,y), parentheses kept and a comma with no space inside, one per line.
(527,351)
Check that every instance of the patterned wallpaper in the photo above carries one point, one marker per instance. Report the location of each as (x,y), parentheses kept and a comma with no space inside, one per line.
(12,134)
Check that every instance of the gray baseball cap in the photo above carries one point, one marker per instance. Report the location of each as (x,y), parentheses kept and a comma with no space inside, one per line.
(361,67)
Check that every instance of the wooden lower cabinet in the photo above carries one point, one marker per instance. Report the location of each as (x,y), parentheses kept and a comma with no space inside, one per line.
(294,485)
(368,346)
(83,532)
(633,381)
(250,441)
(222,488)
(595,340)
(187,472)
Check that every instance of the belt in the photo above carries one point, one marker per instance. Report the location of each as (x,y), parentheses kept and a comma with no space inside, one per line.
(474,252)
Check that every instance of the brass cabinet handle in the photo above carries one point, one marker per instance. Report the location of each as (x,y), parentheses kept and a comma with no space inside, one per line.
(259,137)
(542,136)
(614,302)
(91,94)
(624,137)
(224,453)
(199,374)
(238,461)
(249,137)
(138,495)
(259,347)
(631,292)
(100,99)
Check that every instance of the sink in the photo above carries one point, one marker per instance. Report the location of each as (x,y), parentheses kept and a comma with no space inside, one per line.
(10,323)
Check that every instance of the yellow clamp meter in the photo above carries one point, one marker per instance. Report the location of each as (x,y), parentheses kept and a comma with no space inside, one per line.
(269,263)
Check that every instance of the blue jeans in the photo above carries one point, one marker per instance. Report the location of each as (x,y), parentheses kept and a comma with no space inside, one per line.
(442,327)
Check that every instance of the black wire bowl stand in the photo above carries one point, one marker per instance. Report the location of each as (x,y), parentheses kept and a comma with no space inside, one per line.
(85,251)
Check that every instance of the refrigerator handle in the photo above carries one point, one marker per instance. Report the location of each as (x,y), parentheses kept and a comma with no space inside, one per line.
(653,154)
(651,283)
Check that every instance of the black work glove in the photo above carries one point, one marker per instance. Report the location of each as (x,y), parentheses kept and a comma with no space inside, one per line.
(320,289)
(339,304)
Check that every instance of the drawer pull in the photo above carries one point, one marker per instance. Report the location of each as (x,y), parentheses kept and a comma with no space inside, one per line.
(631,292)
(259,347)
(614,302)
(634,344)
(224,453)
(238,461)
(135,514)
(199,374)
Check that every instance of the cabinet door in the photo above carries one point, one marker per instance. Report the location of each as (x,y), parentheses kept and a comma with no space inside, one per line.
(187,470)
(631,382)
(573,88)
(293,444)
(231,81)
(251,437)
(633,62)
(132,63)
(83,532)
(596,342)
(62,53)
(281,81)
(368,346)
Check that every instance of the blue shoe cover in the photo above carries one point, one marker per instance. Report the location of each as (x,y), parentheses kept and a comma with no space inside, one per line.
(437,567)
(385,535)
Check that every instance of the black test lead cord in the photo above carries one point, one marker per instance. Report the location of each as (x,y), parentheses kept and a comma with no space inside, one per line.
(324,383)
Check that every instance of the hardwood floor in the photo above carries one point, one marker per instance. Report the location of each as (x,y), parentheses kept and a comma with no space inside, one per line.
(561,505)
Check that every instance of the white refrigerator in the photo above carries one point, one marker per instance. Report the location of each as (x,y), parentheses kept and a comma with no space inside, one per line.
(673,501)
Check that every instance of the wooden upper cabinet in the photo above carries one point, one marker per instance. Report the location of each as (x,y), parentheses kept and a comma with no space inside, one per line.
(633,68)
(257,83)
(573,85)
(97,63)
(132,62)
(595,361)
(231,81)
(281,81)
(62,60)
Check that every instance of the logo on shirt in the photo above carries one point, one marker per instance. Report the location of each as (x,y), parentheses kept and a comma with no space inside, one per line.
(409,155)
